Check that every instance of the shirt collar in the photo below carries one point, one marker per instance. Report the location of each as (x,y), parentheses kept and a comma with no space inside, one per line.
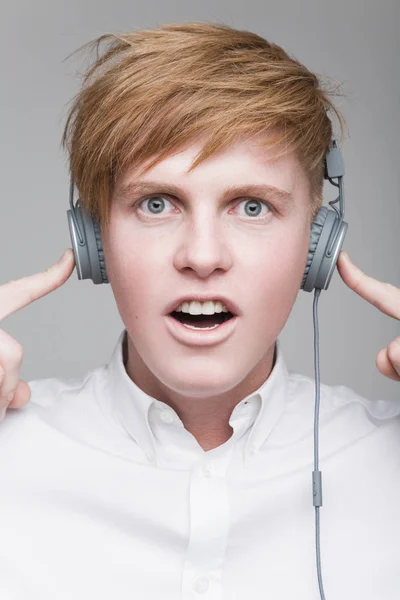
(131,405)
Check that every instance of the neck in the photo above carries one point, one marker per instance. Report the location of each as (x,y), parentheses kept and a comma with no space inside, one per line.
(207,419)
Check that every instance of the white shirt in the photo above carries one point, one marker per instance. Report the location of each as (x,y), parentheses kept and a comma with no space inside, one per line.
(105,495)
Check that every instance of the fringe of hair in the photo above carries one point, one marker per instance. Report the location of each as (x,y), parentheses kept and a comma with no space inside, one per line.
(151,92)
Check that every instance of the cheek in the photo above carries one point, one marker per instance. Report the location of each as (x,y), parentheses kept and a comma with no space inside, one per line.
(133,283)
(276,280)
(136,278)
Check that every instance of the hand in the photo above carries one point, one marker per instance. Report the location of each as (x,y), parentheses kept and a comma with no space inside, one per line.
(386,298)
(14,392)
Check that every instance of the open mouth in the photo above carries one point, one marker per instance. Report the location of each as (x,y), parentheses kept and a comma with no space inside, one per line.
(202,321)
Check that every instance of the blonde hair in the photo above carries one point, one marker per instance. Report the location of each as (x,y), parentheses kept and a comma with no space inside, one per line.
(151,92)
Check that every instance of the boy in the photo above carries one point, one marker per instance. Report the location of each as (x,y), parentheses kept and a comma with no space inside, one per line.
(181,469)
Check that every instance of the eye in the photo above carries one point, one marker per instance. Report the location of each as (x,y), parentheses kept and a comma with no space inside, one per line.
(156,205)
(254,206)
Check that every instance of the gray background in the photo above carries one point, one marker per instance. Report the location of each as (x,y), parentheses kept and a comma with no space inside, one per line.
(76,327)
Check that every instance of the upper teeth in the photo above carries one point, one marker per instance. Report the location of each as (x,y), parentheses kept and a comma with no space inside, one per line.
(202,308)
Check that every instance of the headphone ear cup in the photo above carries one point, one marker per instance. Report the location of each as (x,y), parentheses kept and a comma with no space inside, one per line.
(315,233)
(89,255)
(100,252)
(319,267)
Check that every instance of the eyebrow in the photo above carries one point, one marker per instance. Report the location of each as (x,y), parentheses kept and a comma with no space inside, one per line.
(125,192)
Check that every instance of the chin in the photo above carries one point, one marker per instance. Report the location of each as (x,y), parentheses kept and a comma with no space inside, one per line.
(202,382)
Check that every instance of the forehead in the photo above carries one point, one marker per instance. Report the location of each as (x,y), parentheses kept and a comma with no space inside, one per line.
(246,161)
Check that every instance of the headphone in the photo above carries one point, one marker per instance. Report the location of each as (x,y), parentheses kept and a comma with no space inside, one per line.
(327,235)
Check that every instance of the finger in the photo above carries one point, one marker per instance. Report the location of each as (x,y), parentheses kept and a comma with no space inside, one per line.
(22,395)
(384,296)
(19,293)
(388,360)
(11,353)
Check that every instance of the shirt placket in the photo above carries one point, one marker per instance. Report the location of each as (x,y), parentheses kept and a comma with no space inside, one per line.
(209,527)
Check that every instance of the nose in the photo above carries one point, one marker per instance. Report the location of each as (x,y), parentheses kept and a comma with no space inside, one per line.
(204,247)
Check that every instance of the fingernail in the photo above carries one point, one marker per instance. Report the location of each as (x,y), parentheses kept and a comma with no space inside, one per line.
(63,256)
(347,256)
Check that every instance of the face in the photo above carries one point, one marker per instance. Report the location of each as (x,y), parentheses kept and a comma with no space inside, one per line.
(186,236)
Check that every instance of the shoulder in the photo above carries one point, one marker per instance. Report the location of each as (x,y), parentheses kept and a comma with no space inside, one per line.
(54,391)
(70,406)
(340,397)
(345,416)
(54,395)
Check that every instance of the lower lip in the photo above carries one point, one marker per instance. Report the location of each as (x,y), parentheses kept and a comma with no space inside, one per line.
(200,337)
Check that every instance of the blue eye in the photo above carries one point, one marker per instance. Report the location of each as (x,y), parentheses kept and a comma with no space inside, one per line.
(254,207)
(157,203)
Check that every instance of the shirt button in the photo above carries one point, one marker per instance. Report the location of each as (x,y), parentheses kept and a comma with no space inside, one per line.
(167,416)
(201,585)
(207,470)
